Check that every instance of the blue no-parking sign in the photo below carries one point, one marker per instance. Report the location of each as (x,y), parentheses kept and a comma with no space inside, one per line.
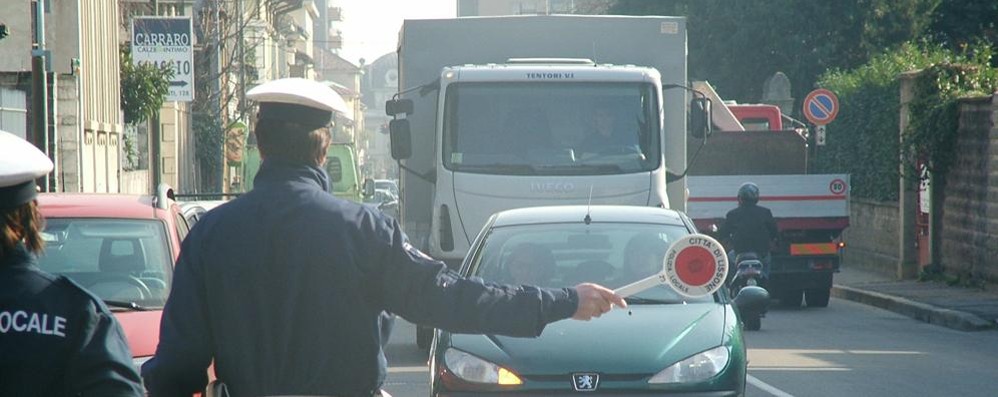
(821,106)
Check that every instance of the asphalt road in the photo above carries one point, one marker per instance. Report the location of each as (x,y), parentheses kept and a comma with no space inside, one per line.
(847,349)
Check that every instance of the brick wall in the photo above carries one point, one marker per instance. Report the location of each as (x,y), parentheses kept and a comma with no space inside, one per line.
(969,226)
(872,236)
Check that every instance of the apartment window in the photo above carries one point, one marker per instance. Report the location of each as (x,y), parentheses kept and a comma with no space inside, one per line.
(13,112)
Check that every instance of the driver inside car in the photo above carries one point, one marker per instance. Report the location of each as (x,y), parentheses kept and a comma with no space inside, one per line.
(530,264)
(606,135)
(643,257)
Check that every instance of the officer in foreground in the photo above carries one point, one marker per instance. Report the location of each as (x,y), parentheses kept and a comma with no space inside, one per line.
(56,339)
(283,286)
(750,227)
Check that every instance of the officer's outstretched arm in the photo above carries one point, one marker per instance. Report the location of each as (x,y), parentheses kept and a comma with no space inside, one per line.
(424,291)
(184,351)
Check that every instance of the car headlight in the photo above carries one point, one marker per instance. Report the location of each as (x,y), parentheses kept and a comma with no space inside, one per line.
(474,369)
(696,368)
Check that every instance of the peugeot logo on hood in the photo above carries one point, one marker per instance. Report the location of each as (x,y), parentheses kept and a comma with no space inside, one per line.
(585,382)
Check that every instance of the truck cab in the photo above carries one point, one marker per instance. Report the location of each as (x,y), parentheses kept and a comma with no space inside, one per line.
(540,132)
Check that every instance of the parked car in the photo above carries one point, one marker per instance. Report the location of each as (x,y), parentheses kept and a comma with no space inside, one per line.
(123,249)
(385,201)
(194,210)
(387,184)
(663,343)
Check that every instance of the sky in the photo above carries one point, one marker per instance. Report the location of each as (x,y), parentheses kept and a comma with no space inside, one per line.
(370,27)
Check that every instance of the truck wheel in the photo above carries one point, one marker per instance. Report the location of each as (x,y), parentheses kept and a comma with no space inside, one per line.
(791,298)
(753,323)
(423,337)
(818,297)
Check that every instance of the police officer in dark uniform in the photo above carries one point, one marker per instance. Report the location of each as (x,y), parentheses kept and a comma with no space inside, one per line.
(56,339)
(750,227)
(284,287)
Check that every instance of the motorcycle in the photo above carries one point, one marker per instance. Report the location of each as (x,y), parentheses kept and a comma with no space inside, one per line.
(749,273)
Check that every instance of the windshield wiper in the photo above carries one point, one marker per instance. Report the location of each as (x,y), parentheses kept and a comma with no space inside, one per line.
(648,301)
(126,305)
(583,168)
(496,168)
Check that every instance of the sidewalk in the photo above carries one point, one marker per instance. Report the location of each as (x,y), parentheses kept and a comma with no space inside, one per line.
(934,302)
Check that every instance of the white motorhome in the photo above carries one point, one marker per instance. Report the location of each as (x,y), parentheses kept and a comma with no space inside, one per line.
(499,110)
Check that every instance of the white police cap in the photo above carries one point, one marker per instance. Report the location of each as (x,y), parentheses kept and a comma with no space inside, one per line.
(300,101)
(20,164)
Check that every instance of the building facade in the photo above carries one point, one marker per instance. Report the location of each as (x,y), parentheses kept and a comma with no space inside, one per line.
(380,84)
(84,112)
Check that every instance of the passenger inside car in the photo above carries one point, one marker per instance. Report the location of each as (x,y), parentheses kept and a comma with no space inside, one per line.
(530,263)
(592,271)
(643,257)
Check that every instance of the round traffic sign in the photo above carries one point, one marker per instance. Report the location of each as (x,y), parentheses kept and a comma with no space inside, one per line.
(837,187)
(696,265)
(821,106)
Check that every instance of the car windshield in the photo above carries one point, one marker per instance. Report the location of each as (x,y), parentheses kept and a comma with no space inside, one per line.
(119,260)
(563,255)
(560,129)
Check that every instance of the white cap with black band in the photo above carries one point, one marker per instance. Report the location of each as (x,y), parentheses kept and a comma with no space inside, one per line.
(300,101)
(20,164)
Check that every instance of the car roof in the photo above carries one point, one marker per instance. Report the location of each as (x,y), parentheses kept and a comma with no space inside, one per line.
(597,214)
(82,205)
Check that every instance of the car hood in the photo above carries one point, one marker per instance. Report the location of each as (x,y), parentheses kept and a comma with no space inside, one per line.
(641,340)
(481,191)
(141,330)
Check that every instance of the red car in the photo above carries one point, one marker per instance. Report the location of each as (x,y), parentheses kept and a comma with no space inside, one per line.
(122,248)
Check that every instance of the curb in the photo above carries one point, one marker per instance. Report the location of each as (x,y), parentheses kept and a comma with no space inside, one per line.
(948,318)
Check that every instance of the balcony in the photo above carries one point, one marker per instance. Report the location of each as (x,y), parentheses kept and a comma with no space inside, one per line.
(334,14)
(335,41)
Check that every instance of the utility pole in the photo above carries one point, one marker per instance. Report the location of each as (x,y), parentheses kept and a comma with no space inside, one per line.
(39,89)
(155,163)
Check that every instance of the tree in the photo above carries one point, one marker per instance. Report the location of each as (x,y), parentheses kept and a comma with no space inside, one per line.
(143,90)
(737,44)
(143,87)
(232,34)
(959,23)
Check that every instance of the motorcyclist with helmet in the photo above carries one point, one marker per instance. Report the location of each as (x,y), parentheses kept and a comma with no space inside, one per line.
(749,227)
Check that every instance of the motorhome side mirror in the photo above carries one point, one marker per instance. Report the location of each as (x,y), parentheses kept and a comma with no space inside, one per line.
(368,187)
(401,139)
(394,107)
(700,125)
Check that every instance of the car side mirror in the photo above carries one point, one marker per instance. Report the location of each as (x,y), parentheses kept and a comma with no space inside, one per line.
(394,107)
(752,299)
(401,139)
(700,118)
(368,187)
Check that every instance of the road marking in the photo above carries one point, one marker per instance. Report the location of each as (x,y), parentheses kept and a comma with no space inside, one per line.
(799,369)
(766,387)
(414,369)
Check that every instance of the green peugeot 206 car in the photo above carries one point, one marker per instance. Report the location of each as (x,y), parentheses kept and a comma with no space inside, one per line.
(662,344)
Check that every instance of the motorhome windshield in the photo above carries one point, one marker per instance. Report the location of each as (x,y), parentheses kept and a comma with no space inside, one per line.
(551,128)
